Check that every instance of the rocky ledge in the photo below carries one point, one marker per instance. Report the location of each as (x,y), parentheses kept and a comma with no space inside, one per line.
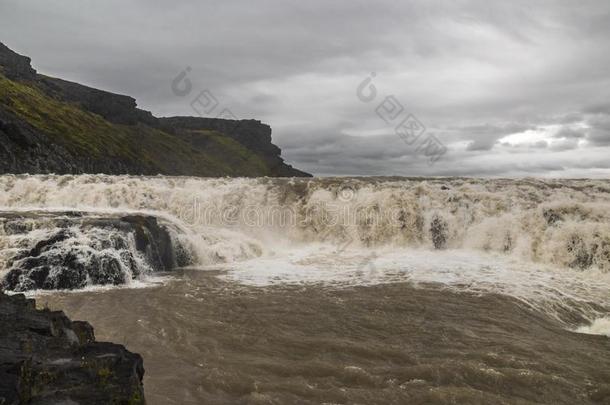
(45,358)
(70,250)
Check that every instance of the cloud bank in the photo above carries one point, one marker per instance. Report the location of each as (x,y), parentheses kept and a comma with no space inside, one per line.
(510,88)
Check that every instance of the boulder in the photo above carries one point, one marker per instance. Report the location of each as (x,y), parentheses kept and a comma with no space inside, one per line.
(45,358)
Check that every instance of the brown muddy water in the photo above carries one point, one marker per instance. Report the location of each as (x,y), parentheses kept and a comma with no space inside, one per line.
(206,340)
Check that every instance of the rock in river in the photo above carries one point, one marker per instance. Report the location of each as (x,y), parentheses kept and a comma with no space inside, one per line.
(45,358)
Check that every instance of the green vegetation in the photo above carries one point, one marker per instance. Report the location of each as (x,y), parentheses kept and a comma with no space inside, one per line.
(104,374)
(229,154)
(85,134)
(136,398)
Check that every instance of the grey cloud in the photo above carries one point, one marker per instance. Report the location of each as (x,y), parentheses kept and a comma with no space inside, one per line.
(541,144)
(570,133)
(599,133)
(473,71)
(484,137)
(599,108)
(482,144)
(564,144)
(570,118)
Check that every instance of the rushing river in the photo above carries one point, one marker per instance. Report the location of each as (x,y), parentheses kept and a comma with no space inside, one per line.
(331,291)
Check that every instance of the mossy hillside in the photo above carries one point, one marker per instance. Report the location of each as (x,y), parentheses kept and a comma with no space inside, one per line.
(228,153)
(86,134)
(78,130)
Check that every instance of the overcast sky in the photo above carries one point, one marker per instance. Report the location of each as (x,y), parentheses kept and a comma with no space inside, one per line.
(510,88)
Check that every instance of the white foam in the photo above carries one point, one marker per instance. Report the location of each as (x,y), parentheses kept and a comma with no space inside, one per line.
(145,281)
(531,219)
(547,288)
(600,326)
(467,269)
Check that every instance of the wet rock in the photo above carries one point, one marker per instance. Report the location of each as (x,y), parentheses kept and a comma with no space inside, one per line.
(47,359)
(44,245)
(439,232)
(551,216)
(91,250)
(56,268)
(109,271)
(582,256)
(15,227)
(154,241)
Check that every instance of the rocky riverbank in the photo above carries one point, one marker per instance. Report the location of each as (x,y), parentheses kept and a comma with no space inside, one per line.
(45,358)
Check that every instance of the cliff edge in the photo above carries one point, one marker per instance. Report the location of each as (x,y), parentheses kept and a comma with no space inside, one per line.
(49,125)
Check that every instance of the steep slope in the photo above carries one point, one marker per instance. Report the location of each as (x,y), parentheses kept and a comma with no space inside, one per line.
(50,125)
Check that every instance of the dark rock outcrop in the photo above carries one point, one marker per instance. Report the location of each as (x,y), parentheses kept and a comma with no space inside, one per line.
(115,108)
(439,232)
(47,359)
(24,149)
(15,66)
(152,240)
(99,254)
(49,125)
(253,134)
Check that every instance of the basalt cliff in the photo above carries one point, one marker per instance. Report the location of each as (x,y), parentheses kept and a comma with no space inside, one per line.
(49,125)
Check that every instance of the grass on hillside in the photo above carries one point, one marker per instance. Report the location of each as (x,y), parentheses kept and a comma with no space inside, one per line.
(87,134)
